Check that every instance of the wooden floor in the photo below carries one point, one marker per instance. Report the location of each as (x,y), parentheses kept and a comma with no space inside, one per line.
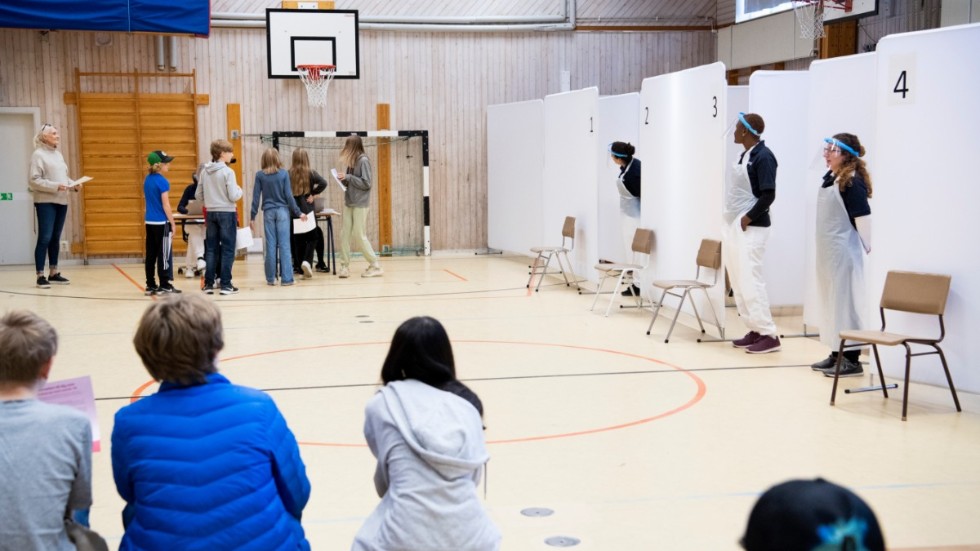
(633,443)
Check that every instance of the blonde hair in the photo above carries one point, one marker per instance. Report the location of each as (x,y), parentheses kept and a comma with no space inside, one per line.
(353,149)
(179,338)
(28,342)
(299,172)
(220,146)
(270,161)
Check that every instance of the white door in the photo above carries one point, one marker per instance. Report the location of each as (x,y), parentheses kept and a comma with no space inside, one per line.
(17,129)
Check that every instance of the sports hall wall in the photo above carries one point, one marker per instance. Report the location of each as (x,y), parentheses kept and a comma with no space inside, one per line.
(436,81)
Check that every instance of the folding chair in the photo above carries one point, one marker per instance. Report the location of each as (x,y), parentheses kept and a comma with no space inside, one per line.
(545,254)
(911,292)
(709,256)
(642,245)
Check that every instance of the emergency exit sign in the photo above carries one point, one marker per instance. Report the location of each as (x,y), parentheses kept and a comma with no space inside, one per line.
(6,196)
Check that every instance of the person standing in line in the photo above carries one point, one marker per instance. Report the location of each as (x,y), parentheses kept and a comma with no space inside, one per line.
(751,192)
(425,427)
(159,226)
(194,261)
(45,449)
(273,191)
(843,237)
(49,184)
(628,185)
(358,179)
(203,463)
(306,184)
(219,191)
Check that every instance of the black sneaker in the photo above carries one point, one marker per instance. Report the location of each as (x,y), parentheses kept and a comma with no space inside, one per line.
(827,363)
(323,269)
(43,283)
(631,291)
(208,289)
(59,279)
(848,368)
(151,290)
(229,290)
(168,290)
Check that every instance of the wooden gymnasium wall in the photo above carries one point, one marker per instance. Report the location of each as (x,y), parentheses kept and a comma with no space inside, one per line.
(438,81)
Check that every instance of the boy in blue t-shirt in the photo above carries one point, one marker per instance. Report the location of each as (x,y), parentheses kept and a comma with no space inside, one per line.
(159,226)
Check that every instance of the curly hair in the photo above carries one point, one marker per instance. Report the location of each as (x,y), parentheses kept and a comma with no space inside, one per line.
(852,164)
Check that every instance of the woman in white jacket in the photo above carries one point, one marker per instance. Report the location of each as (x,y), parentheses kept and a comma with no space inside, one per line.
(426,429)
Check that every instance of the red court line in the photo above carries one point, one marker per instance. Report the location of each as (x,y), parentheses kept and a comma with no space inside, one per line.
(701,388)
(131,280)
(461,278)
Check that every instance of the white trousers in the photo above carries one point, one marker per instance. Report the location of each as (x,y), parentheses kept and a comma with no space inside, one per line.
(743,252)
(195,245)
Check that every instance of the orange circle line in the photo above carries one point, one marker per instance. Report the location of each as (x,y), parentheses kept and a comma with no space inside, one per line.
(702,388)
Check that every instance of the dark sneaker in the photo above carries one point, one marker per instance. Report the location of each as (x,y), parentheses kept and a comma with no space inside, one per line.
(168,290)
(323,269)
(748,340)
(58,279)
(208,289)
(848,368)
(151,290)
(631,291)
(229,290)
(43,283)
(763,345)
(825,364)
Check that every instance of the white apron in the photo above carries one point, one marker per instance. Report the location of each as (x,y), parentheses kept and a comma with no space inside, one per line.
(840,269)
(743,252)
(629,207)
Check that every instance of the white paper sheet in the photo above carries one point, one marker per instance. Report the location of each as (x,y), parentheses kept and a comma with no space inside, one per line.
(333,172)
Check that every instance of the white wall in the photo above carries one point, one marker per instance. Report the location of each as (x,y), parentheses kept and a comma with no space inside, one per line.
(924,209)
(515,167)
(569,184)
(17,128)
(618,121)
(761,41)
(780,97)
(682,133)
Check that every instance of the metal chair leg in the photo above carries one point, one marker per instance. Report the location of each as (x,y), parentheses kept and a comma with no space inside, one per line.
(656,311)
(598,291)
(881,374)
(908,371)
(676,314)
(697,316)
(949,379)
(619,283)
(840,358)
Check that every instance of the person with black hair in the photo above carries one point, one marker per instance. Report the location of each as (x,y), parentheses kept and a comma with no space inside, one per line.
(193,233)
(425,428)
(812,515)
(628,185)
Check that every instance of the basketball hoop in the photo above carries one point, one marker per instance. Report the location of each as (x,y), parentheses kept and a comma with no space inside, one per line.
(809,15)
(317,79)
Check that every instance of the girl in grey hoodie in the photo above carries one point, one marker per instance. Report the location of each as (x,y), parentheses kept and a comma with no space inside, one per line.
(426,429)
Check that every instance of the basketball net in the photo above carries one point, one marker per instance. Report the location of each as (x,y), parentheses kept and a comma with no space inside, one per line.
(317,79)
(809,15)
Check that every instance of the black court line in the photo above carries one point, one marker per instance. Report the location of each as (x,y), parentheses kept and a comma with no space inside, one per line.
(520,377)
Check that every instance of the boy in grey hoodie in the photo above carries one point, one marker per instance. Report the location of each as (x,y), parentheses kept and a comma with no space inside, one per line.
(219,190)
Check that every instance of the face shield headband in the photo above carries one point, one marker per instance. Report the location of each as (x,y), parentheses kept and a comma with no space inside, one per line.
(841,145)
(613,153)
(746,125)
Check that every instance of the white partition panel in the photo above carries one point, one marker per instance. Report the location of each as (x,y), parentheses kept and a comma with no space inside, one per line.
(570,142)
(618,122)
(515,179)
(683,117)
(780,97)
(924,209)
(829,114)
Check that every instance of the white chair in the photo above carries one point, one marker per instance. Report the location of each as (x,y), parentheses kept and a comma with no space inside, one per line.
(545,253)
(642,245)
(709,256)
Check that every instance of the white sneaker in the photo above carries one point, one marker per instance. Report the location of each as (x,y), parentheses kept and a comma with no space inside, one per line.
(307,270)
(189,272)
(373,271)
(343,272)
(201,265)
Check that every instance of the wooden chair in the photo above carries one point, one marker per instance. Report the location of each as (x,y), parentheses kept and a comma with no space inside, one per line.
(911,292)
(642,245)
(545,253)
(709,256)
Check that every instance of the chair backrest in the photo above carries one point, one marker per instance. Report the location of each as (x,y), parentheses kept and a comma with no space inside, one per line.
(568,229)
(642,241)
(915,292)
(709,255)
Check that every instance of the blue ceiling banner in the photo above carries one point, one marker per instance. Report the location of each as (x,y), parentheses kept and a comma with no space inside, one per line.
(152,16)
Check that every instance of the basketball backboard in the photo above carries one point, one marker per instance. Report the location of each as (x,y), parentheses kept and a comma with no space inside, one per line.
(312,37)
(835,10)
